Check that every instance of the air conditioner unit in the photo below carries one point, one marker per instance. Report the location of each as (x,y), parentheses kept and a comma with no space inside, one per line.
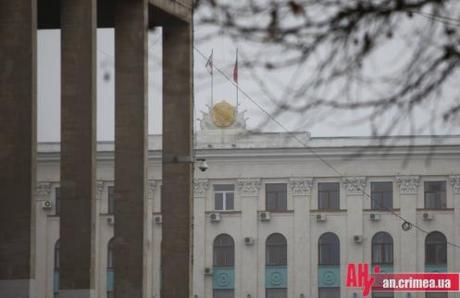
(374,217)
(47,205)
(357,238)
(207,271)
(321,217)
(248,241)
(158,219)
(214,217)
(111,220)
(264,216)
(427,216)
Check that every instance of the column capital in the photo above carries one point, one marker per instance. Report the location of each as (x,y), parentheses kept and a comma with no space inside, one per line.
(249,187)
(301,186)
(43,189)
(354,185)
(455,183)
(200,187)
(408,184)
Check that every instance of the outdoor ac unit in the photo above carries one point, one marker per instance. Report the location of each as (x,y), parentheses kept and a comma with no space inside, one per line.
(357,238)
(264,216)
(111,220)
(248,240)
(214,217)
(374,217)
(158,219)
(207,271)
(47,205)
(427,216)
(321,217)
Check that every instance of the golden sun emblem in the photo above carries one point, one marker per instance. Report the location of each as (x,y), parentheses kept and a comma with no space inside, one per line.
(223,114)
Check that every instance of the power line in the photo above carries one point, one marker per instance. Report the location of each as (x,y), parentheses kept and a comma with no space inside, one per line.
(319,157)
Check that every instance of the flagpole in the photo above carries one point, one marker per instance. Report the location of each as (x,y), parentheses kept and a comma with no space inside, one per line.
(212,78)
(237,81)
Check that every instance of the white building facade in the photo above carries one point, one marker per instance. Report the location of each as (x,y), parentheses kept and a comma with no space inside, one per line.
(281,215)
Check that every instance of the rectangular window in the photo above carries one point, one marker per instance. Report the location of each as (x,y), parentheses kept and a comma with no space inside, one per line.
(382,195)
(110,199)
(328,196)
(276,197)
(435,195)
(383,294)
(224,196)
(57,201)
(276,293)
(329,292)
(223,293)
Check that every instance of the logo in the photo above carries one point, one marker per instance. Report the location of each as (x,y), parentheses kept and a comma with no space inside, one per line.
(360,276)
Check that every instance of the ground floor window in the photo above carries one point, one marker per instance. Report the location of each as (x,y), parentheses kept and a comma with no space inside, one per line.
(436,295)
(223,294)
(276,293)
(329,292)
(383,295)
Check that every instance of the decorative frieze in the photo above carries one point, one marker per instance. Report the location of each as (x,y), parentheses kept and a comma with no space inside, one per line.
(249,187)
(455,183)
(300,186)
(43,190)
(200,187)
(408,184)
(355,185)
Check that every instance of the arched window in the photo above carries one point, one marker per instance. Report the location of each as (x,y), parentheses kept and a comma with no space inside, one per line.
(329,249)
(276,250)
(435,249)
(382,249)
(223,270)
(224,251)
(329,266)
(110,268)
(57,258)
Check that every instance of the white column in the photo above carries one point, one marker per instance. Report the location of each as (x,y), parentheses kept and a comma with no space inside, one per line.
(408,189)
(300,189)
(355,196)
(454,266)
(43,191)
(200,192)
(248,271)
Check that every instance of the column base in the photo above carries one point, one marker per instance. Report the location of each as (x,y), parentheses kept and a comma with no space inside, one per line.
(16,288)
(80,293)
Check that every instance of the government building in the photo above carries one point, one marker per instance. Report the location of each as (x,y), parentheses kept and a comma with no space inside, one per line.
(282,214)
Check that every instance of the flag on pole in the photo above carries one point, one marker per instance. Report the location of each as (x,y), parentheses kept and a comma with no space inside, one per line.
(209,63)
(235,69)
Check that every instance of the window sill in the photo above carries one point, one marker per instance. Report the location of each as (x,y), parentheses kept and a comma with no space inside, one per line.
(328,210)
(224,211)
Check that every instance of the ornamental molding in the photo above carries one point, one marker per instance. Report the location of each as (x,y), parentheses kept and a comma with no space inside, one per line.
(408,184)
(43,189)
(301,186)
(200,187)
(355,185)
(99,189)
(455,183)
(249,187)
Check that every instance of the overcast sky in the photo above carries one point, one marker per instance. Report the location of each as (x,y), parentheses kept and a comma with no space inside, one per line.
(340,124)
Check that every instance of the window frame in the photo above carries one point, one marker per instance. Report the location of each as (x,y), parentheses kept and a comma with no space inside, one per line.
(335,256)
(280,201)
(439,204)
(381,194)
(276,252)
(226,251)
(225,197)
(329,200)
(438,245)
(110,199)
(383,248)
